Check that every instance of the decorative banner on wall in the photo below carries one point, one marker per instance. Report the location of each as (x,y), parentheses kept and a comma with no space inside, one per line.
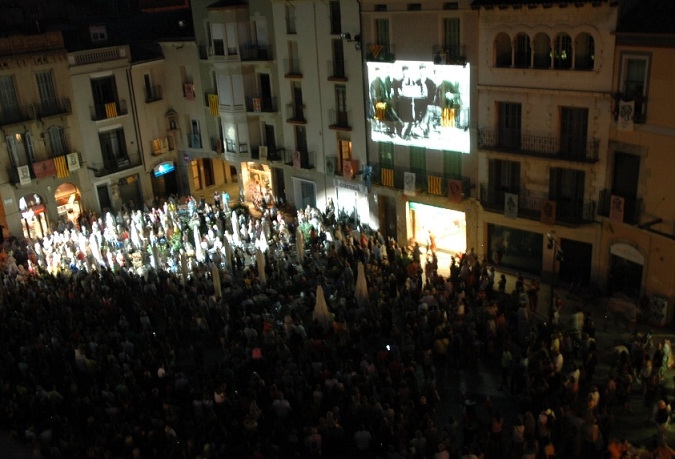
(44,169)
(61,167)
(73,161)
(213,105)
(387,177)
(409,183)
(616,208)
(24,175)
(511,205)
(626,112)
(548,212)
(297,160)
(434,185)
(455,191)
(262,152)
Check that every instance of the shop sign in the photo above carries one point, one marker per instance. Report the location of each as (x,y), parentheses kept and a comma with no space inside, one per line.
(351,186)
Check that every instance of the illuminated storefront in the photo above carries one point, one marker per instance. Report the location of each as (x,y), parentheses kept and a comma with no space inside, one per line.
(67,199)
(444,228)
(34,218)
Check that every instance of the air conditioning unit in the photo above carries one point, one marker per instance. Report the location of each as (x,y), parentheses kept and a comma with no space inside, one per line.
(440,59)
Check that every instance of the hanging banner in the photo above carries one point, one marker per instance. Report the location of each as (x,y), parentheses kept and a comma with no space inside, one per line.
(61,167)
(626,112)
(511,205)
(43,169)
(616,208)
(548,212)
(455,191)
(73,161)
(409,183)
(24,175)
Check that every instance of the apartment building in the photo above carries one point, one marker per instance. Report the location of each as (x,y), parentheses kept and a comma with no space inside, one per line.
(636,209)
(421,69)
(42,179)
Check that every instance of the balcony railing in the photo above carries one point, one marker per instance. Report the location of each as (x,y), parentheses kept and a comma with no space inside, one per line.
(113,165)
(380,52)
(425,183)
(153,93)
(539,146)
(194,140)
(632,207)
(455,55)
(298,159)
(337,70)
(108,110)
(295,113)
(53,107)
(261,104)
(255,52)
(19,114)
(339,119)
(530,205)
(292,68)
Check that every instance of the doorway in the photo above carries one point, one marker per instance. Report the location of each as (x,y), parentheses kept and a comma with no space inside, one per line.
(576,265)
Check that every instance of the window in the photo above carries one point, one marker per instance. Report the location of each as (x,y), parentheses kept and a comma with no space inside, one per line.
(452,164)
(105,92)
(338,70)
(542,51)
(20,147)
(584,52)
(562,58)
(382,32)
(152,92)
(335,19)
(523,54)
(509,119)
(47,93)
(633,83)
(290,19)
(418,160)
(195,134)
(57,141)
(566,187)
(451,44)
(298,104)
(503,177)
(573,132)
(218,39)
(113,148)
(625,182)
(341,118)
(304,193)
(98,33)
(9,105)
(503,51)
(300,139)
(386,155)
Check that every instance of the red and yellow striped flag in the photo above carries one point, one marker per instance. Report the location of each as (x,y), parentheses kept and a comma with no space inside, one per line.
(61,167)
(388,177)
(111,110)
(213,104)
(434,184)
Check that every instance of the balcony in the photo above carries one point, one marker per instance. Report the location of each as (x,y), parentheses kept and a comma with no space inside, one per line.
(539,146)
(380,52)
(194,140)
(295,113)
(261,104)
(449,55)
(530,205)
(297,159)
(339,120)
(336,70)
(292,68)
(153,93)
(632,207)
(425,183)
(254,52)
(53,107)
(110,166)
(17,115)
(108,110)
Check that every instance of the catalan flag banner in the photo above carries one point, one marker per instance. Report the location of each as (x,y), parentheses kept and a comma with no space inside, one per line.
(61,167)
(434,185)
(111,110)
(213,104)
(388,177)
(73,161)
(375,50)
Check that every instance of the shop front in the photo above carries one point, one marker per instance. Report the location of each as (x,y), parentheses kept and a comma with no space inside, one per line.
(164,180)
(352,201)
(439,228)
(257,180)
(34,218)
(67,199)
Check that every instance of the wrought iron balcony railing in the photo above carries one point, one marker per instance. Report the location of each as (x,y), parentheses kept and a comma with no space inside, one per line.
(632,207)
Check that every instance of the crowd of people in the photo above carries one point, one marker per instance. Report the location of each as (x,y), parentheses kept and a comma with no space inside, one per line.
(141,335)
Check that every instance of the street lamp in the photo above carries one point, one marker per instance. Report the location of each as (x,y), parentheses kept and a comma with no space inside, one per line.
(557,256)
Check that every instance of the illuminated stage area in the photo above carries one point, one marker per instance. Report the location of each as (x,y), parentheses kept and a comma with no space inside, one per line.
(420,104)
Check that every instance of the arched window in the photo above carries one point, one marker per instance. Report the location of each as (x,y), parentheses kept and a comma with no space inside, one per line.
(563,52)
(584,52)
(542,51)
(523,54)
(502,50)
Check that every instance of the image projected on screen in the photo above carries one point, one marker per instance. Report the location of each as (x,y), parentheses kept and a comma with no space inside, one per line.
(420,104)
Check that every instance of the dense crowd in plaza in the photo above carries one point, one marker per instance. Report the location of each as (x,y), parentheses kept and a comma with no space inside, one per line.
(196,331)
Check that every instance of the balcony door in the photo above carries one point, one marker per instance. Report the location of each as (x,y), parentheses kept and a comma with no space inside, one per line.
(566,187)
(573,132)
(504,177)
(509,125)
(625,181)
